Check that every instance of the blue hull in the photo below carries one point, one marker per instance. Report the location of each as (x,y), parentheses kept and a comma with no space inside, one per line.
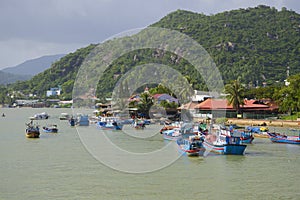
(194,148)
(248,140)
(234,149)
(50,131)
(286,141)
(227,149)
(105,126)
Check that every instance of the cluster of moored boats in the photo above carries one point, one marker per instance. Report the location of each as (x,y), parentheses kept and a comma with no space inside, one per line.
(194,139)
(33,129)
(197,139)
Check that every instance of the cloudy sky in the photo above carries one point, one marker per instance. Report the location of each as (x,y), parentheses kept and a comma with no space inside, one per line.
(33,28)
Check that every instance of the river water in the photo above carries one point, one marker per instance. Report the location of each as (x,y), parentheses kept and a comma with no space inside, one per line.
(61,166)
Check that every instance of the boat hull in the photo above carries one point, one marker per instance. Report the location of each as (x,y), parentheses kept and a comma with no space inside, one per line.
(191,148)
(227,149)
(105,126)
(32,134)
(247,140)
(54,130)
(284,140)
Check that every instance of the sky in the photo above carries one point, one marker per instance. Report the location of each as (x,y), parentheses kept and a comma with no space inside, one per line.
(34,28)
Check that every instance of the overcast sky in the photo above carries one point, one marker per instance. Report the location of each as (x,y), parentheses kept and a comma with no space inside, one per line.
(33,28)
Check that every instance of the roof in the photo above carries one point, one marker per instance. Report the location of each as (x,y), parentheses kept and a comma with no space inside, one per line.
(222,104)
(165,97)
(188,106)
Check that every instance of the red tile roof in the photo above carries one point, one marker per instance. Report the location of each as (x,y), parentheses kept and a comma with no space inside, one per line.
(222,104)
(216,104)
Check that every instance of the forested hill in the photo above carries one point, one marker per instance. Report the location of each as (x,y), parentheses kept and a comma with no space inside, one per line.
(255,44)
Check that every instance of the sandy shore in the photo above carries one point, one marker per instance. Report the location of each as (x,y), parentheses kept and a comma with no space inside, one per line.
(254,122)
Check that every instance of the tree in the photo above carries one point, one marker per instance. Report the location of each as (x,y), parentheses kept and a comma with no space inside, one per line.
(289,96)
(235,97)
(146,101)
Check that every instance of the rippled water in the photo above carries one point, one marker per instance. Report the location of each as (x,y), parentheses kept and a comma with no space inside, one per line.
(58,166)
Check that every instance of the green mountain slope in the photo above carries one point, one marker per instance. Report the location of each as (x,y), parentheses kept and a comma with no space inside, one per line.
(255,44)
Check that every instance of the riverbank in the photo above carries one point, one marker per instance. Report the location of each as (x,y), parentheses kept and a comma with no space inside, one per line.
(256,122)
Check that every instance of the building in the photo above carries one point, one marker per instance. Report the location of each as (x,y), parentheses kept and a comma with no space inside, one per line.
(254,109)
(53,92)
(165,97)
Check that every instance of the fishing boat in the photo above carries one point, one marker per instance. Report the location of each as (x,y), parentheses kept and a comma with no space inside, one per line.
(224,144)
(40,116)
(246,136)
(173,134)
(110,123)
(191,145)
(279,138)
(82,120)
(258,132)
(52,128)
(139,124)
(72,121)
(64,116)
(32,130)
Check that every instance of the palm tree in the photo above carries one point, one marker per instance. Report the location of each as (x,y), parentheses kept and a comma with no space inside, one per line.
(146,101)
(235,96)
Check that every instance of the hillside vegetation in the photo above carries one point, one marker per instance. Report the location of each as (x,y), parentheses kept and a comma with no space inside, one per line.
(256,45)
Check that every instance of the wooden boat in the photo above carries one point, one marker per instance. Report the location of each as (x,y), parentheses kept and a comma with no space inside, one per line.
(50,128)
(191,145)
(223,144)
(32,131)
(173,134)
(279,138)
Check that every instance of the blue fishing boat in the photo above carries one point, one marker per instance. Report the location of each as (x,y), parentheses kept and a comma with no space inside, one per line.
(279,138)
(173,134)
(246,135)
(50,128)
(109,125)
(224,144)
(191,145)
(72,121)
(82,120)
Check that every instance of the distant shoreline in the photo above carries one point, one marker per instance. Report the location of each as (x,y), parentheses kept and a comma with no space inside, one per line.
(256,122)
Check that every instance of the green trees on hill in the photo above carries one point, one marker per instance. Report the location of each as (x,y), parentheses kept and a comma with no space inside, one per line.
(288,96)
(256,45)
